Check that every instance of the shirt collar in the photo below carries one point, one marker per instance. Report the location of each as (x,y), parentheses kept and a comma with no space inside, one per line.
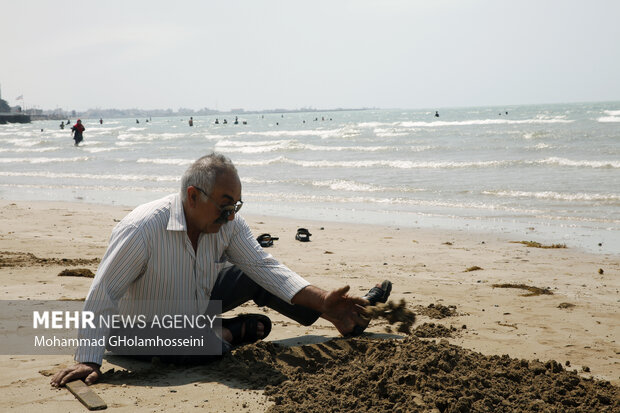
(176,222)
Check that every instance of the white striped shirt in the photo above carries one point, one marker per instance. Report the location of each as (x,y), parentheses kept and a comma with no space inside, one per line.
(150,267)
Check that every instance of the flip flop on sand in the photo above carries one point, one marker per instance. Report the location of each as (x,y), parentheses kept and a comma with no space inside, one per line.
(374,296)
(303,235)
(266,240)
(235,326)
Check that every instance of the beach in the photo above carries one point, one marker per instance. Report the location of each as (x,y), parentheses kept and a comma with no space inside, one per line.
(573,320)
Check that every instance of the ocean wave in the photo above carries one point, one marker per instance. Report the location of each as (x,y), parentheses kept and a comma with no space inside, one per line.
(96,150)
(486,122)
(612,112)
(297,197)
(26,143)
(556,196)
(345,185)
(471,122)
(149,137)
(390,132)
(163,161)
(103,177)
(540,146)
(404,164)
(344,132)
(376,163)
(534,135)
(353,186)
(579,163)
(608,119)
(20,150)
(43,160)
(290,145)
(98,188)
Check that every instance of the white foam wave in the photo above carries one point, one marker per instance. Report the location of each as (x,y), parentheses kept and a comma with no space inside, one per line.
(159,161)
(580,163)
(114,177)
(24,142)
(345,185)
(375,163)
(289,145)
(20,150)
(43,160)
(534,135)
(149,137)
(391,201)
(612,112)
(345,132)
(609,119)
(485,122)
(126,143)
(96,150)
(99,188)
(390,133)
(580,196)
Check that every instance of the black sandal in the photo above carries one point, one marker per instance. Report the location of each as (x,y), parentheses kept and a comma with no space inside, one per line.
(266,240)
(379,294)
(235,326)
(303,235)
(374,296)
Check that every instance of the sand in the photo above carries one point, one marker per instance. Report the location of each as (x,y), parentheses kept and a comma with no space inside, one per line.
(472,346)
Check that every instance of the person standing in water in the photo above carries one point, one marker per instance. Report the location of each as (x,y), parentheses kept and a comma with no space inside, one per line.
(77,130)
(191,121)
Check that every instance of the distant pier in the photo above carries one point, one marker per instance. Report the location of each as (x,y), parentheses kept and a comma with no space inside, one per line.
(13,118)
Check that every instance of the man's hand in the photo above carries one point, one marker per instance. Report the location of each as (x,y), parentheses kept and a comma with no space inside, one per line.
(343,310)
(77,371)
(336,306)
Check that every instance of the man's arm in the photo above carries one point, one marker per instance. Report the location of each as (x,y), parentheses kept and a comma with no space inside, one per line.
(335,306)
(122,263)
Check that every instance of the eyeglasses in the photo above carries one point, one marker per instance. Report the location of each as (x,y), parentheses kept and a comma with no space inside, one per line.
(225,211)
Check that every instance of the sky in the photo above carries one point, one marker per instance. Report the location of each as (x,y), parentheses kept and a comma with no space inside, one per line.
(265,54)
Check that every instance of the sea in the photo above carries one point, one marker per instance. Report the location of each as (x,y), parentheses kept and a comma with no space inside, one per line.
(546,173)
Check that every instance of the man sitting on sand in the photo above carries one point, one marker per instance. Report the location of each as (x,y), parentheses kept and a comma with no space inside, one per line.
(175,249)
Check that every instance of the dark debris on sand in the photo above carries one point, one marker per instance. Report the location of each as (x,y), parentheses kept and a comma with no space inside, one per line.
(411,375)
(436,311)
(27,259)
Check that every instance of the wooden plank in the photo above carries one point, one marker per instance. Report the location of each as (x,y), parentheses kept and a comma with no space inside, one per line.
(88,397)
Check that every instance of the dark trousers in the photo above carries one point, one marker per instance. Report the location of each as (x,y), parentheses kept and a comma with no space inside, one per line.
(233,288)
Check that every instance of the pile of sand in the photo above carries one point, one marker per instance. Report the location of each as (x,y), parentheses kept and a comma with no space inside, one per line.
(411,375)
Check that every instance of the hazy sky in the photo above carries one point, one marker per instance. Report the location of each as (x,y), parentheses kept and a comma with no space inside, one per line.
(259,54)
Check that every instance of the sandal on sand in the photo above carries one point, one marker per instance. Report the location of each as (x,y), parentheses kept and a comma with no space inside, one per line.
(235,326)
(303,235)
(379,294)
(266,240)
(374,296)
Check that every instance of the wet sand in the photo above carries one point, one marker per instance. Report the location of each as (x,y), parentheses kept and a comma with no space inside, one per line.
(577,323)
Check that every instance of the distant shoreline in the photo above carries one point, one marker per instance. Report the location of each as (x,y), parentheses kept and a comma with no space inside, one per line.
(13,118)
